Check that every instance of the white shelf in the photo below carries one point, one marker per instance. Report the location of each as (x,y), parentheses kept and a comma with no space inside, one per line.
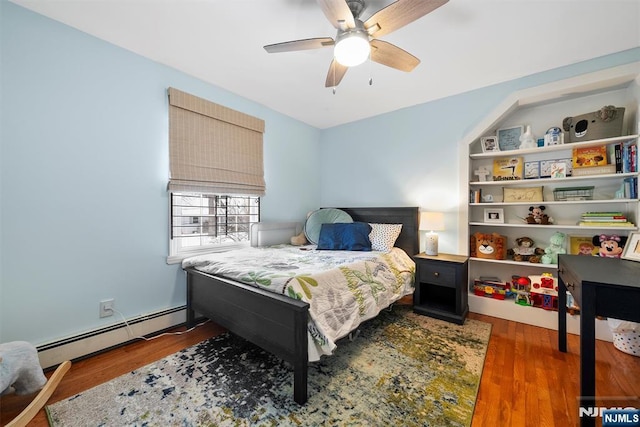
(544,107)
(554,226)
(508,309)
(520,263)
(568,179)
(551,148)
(557,202)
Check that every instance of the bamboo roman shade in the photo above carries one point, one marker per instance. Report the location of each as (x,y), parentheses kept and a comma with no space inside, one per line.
(213,149)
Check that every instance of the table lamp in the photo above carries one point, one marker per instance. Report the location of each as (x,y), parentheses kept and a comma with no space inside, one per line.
(432,221)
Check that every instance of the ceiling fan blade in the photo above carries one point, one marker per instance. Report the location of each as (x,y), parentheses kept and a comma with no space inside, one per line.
(399,14)
(392,56)
(304,44)
(338,13)
(335,74)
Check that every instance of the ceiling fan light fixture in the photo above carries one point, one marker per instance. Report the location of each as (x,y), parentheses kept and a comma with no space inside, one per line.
(352,48)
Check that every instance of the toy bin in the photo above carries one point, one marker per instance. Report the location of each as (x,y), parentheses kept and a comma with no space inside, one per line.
(626,336)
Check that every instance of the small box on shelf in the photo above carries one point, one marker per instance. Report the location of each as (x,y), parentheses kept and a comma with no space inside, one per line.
(573,193)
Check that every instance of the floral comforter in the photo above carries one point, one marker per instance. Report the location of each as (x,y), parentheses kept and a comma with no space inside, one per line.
(343,288)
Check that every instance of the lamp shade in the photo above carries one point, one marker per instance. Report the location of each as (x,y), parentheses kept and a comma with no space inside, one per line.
(433,221)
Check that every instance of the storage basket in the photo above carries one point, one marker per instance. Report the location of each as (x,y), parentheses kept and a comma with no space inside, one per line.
(627,342)
(573,193)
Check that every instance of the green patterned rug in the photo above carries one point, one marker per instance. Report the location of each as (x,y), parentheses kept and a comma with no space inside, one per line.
(403,369)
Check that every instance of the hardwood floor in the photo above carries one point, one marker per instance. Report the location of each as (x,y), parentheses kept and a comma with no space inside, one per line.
(526,381)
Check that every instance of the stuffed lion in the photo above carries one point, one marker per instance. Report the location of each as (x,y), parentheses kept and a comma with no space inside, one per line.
(488,246)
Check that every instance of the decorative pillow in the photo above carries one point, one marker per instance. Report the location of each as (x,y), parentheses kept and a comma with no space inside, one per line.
(323,216)
(345,237)
(384,236)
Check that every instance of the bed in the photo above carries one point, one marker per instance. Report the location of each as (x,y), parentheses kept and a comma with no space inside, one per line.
(275,322)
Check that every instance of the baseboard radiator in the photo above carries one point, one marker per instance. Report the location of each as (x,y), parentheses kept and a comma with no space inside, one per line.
(96,341)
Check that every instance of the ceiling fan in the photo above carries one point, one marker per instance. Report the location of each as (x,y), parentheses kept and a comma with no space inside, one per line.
(357,40)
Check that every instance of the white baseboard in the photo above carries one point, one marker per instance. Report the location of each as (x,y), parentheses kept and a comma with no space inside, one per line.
(94,341)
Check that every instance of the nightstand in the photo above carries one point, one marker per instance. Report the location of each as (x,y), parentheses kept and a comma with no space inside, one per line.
(441,287)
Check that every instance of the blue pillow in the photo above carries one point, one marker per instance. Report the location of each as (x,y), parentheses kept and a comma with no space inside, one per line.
(345,237)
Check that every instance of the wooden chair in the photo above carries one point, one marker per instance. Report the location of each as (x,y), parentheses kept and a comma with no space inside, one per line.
(41,398)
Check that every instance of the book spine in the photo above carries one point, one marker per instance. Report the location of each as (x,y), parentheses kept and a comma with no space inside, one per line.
(625,159)
(603,213)
(605,223)
(618,158)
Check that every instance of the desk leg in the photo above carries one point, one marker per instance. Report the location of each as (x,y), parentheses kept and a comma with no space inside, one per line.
(588,352)
(562,316)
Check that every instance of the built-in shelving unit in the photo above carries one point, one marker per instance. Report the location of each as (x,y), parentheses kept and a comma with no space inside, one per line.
(542,108)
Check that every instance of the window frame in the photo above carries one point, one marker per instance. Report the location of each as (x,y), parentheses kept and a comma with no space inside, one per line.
(178,252)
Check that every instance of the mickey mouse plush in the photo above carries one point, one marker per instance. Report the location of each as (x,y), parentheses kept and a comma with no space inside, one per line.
(537,216)
(609,246)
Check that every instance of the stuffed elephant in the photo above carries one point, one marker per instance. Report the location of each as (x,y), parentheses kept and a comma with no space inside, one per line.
(20,369)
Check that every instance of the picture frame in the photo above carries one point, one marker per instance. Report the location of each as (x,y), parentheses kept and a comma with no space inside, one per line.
(522,194)
(489,144)
(632,248)
(582,245)
(494,215)
(558,170)
(532,170)
(509,138)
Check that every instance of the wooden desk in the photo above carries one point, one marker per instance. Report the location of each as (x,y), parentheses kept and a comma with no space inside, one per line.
(608,287)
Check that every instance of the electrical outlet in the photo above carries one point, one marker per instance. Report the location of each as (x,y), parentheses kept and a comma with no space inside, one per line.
(106,307)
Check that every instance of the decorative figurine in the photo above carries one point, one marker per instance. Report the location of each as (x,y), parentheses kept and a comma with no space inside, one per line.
(527,140)
(554,136)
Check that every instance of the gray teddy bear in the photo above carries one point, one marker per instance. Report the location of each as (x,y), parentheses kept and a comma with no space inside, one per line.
(20,369)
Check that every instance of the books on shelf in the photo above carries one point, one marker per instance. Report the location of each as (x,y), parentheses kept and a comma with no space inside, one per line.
(605,219)
(624,156)
(594,170)
(630,188)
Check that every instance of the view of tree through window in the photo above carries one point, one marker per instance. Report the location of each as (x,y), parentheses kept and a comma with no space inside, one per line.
(200,220)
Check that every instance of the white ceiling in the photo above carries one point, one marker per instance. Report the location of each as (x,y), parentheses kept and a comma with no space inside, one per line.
(463,45)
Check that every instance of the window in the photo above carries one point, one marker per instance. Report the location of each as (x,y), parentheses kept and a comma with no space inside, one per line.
(205,222)
(216,175)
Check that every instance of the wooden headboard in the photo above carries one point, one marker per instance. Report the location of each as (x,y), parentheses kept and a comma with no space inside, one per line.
(409,239)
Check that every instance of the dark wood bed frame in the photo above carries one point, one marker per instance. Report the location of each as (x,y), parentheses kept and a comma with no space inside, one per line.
(276,322)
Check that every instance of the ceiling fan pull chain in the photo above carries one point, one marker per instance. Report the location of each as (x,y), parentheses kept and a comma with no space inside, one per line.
(334,90)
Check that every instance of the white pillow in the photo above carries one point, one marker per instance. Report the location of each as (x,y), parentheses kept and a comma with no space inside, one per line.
(383,236)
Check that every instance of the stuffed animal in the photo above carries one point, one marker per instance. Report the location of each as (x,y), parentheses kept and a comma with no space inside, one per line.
(609,246)
(488,246)
(554,249)
(537,216)
(525,251)
(299,239)
(20,369)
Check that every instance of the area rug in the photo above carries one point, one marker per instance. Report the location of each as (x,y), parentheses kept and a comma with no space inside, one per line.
(402,369)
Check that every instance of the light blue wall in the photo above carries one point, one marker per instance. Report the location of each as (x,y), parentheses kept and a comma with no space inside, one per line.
(84,154)
(411,157)
(84,161)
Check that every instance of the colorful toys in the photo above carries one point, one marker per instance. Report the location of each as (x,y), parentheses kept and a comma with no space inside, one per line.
(492,287)
(521,287)
(544,291)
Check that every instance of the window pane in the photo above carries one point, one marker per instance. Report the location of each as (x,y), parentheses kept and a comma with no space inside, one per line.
(208,220)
